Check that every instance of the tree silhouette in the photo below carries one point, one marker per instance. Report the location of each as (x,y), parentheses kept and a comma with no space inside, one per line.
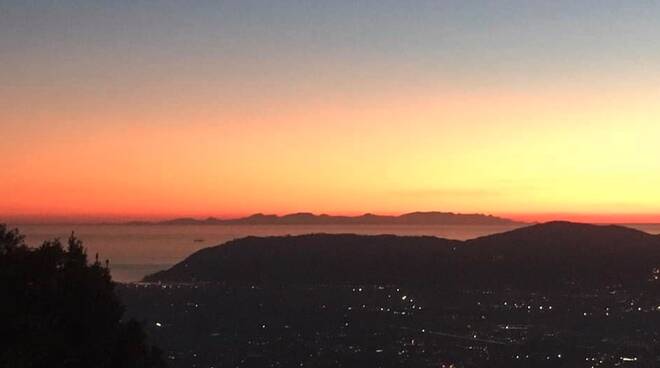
(57,310)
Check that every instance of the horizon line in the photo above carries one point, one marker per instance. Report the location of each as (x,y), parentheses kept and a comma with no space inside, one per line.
(531,217)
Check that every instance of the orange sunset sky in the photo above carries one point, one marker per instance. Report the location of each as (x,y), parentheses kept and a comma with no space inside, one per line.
(530,110)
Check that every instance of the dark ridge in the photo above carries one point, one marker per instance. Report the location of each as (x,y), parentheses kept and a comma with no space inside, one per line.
(324,258)
(564,233)
(555,254)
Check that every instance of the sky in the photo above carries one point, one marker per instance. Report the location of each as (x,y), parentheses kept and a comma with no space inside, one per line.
(535,110)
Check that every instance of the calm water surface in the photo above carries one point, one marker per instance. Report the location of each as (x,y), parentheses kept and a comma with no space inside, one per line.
(135,251)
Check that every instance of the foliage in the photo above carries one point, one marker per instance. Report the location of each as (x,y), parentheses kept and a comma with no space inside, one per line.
(58,310)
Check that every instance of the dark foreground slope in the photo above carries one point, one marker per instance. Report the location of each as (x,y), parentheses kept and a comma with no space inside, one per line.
(556,254)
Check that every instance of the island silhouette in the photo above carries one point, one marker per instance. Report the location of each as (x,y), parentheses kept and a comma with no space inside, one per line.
(307,218)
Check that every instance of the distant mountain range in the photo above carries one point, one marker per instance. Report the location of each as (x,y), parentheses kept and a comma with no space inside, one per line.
(304,218)
(550,255)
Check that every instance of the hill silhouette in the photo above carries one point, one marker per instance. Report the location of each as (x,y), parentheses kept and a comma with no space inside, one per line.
(556,254)
(305,218)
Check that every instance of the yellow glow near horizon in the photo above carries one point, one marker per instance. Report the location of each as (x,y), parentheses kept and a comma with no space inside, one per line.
(561,150)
